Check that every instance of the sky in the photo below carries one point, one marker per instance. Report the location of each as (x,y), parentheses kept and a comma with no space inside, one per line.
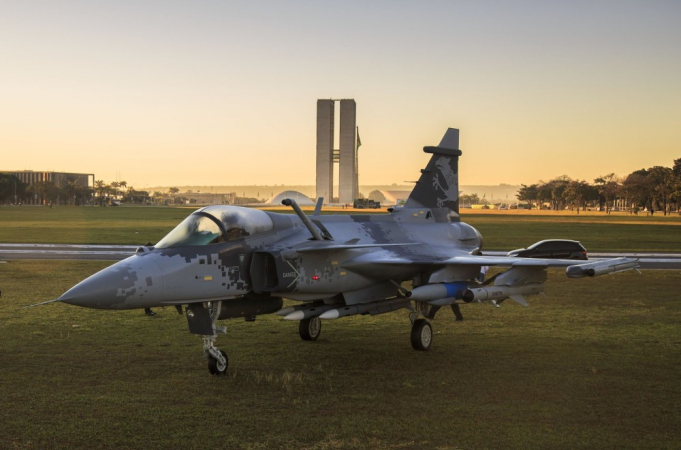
(224,92)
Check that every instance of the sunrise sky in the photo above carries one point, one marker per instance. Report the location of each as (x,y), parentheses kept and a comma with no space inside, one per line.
(224,92)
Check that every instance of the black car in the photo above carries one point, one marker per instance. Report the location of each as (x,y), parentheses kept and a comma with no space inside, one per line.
(553,249)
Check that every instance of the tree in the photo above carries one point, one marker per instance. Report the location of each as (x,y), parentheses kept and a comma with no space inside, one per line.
(608,188)
(113,189)
(158,195)
(51,192)
(676,183)
(661,181)
(69,187)
(637,189)
(528,194)
(33,191)
(470,199)
(543,193)
(11,186)
(135,196)
(101,189)
(557,187)
(578,193)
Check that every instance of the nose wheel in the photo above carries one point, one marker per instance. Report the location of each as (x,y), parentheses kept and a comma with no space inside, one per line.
(218,366)
(217,359)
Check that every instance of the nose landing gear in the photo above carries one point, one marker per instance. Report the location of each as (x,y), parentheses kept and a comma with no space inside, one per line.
(217,359)
(201,318)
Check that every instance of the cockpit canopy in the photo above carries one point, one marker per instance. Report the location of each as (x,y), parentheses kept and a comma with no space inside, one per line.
(215,224)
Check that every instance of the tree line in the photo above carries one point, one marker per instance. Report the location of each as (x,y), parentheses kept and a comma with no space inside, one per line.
(655,189)
(104,193)
(71,192)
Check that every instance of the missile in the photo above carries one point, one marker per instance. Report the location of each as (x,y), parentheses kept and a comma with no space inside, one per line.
(307,311)
(597,268)
(286,311)
(493,293)
(372,308)
(438,291)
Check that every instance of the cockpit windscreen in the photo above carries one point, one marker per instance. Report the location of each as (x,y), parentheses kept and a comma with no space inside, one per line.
(215,224)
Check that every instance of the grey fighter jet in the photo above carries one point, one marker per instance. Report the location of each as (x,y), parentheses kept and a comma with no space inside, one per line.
(225,262)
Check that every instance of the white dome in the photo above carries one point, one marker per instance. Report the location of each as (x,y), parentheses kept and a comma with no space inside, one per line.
(300,198)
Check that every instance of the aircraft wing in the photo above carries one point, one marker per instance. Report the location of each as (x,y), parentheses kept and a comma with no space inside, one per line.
(376,262)
(324,247)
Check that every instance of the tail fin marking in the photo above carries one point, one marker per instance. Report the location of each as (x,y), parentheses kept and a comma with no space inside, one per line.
(438,186)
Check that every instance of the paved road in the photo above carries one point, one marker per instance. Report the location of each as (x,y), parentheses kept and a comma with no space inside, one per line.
(66,251)
(117,252)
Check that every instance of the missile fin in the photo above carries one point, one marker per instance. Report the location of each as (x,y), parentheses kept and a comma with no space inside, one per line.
(518,299)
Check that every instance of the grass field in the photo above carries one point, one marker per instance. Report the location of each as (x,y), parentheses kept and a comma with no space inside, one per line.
(502,230)
(595,364)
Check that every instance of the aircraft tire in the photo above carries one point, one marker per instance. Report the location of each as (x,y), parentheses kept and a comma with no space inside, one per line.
(310,329)
(213,365)
(421,335)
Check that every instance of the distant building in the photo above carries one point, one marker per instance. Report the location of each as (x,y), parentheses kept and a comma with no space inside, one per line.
(300,198)
(210,198)
(345,156)
(31,177)
(389,197)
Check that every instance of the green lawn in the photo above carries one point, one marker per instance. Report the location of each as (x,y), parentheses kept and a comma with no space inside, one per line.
(88,225)
(607,234)
(137,226)
(595,364)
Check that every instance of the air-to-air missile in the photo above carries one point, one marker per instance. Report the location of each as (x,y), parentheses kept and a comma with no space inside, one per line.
(306,311)
(493,293)
(439,294)
(602,267)
(372,308)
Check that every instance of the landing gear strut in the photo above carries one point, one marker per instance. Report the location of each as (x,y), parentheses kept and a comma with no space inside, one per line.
(310,329)
(201,318)
(455,309)
(217,359)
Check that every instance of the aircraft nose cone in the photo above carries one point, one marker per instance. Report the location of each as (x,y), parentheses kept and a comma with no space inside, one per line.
(135,282)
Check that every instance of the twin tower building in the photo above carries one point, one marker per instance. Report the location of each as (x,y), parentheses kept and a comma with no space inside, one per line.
(345,155)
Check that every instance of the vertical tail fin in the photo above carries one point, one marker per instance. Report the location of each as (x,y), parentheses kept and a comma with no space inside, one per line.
(438,186)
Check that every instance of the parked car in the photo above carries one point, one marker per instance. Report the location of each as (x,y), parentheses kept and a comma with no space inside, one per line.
(552,249)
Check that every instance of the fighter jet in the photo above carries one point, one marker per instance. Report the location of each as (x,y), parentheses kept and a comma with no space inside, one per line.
(226,262)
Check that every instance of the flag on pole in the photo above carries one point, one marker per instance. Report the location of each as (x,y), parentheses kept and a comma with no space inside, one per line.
(359,141)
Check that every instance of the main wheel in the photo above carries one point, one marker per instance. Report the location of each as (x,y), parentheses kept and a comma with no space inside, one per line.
(310,329)
(214,365)
(421,335)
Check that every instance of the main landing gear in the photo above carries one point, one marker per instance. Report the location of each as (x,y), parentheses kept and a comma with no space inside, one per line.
(310,329)
(421,331)
(421,335)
